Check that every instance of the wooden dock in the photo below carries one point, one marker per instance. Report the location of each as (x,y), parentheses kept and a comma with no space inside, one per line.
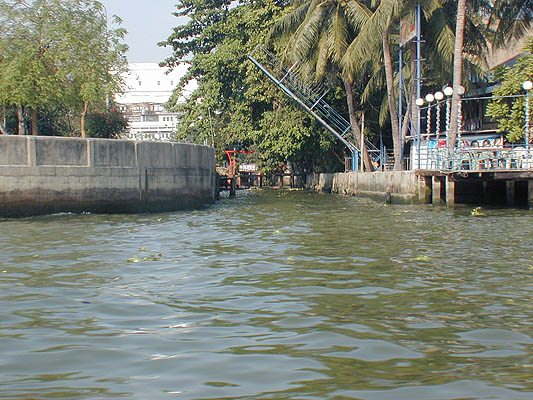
(512,188)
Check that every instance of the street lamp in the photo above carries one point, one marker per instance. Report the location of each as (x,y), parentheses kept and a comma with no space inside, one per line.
(419,102)
(429,98)
(438,96)
(527,86)
(448,91)
(460,91)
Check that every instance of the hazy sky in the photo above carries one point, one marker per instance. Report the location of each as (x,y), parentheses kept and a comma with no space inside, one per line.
(147,22)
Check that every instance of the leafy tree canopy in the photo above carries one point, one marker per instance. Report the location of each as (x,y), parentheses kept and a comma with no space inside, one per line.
(58,53)
(234,102)
(510,114)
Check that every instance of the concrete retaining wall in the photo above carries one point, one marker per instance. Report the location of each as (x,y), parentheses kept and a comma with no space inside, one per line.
(41,175)
(391,186)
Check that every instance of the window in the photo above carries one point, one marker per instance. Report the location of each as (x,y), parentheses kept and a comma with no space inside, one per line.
(140,83)
(171,83)
(158,83)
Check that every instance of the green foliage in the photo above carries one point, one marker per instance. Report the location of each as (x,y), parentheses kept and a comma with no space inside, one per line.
(510,113)
(58,53)
(106,124)
(234,102)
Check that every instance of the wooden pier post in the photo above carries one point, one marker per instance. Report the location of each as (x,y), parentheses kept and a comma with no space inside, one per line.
(530,194)
(485,192)
(509,193)
(233,187)
(435,190)
(424,191)
(450,192)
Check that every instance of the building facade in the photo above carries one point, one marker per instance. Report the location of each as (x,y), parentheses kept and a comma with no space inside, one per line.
(148,88)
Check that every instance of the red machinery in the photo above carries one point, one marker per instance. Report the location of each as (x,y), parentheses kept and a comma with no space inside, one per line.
(232,167)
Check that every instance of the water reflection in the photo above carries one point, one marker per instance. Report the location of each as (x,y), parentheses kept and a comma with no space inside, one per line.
(270,295)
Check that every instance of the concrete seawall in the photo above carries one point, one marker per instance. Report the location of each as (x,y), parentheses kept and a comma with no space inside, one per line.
(391,186)
(40,175)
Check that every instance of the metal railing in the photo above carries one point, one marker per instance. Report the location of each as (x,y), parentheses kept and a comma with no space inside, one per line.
(310,96)
(506,158)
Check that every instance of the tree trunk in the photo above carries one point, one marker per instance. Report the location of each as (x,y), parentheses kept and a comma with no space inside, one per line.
(22,120)
(356,129)
(82,119)
(34,127)
(389,75)
(405,128)
(3,123)
(457,70)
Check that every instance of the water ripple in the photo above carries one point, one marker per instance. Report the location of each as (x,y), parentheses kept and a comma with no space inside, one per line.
(272,295)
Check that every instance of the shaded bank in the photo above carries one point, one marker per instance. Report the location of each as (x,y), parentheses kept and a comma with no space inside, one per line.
(40,175)
(498,188)
(391,187)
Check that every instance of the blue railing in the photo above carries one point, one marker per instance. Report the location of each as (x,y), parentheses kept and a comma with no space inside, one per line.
(506,158)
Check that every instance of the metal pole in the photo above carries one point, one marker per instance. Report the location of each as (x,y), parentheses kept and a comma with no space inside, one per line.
(437,133)
(459,121)
(211,126)
(362,141)
(428,122)
(526,129)
(400,101)
(418,74)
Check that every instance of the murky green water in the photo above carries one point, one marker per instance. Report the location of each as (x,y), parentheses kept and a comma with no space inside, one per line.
(273,295)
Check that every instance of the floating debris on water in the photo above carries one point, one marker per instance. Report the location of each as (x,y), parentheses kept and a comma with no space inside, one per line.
(476,212)
(151,257)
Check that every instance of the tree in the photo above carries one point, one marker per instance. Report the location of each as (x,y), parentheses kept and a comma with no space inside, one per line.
(507,111)
(56,52)
(109,124)
(27,65)
(457,69)
(504,20)
(92,57)
(233,99)
(374,46)
(318,34)
(200,34)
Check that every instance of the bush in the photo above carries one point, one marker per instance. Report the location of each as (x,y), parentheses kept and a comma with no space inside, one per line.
(106,125)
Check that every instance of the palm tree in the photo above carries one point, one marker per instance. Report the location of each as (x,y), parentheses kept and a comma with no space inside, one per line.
(373,44)
(457,69)
(318,33)
(506,19)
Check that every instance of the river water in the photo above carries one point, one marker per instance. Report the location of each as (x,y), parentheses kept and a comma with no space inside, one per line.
(271,295)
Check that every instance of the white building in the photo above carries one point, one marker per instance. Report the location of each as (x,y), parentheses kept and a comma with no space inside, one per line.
(149,87)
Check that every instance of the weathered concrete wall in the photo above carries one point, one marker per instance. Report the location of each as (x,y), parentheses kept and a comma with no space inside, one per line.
(51,174)
(392,186)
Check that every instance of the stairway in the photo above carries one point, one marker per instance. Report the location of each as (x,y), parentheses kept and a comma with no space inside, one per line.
(311,98)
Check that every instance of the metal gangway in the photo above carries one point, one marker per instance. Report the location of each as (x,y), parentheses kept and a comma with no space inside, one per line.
(310,96)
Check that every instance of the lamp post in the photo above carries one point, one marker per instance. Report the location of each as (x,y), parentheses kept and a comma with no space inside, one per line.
(460,92)
(419,103)
(438,96)
(527,86)
(429,99)
(448,91)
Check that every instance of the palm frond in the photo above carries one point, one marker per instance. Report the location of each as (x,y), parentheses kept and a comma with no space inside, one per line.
(356,13)
(513,20)
(288,24)
(308,33)
(339,34)
(368,40)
